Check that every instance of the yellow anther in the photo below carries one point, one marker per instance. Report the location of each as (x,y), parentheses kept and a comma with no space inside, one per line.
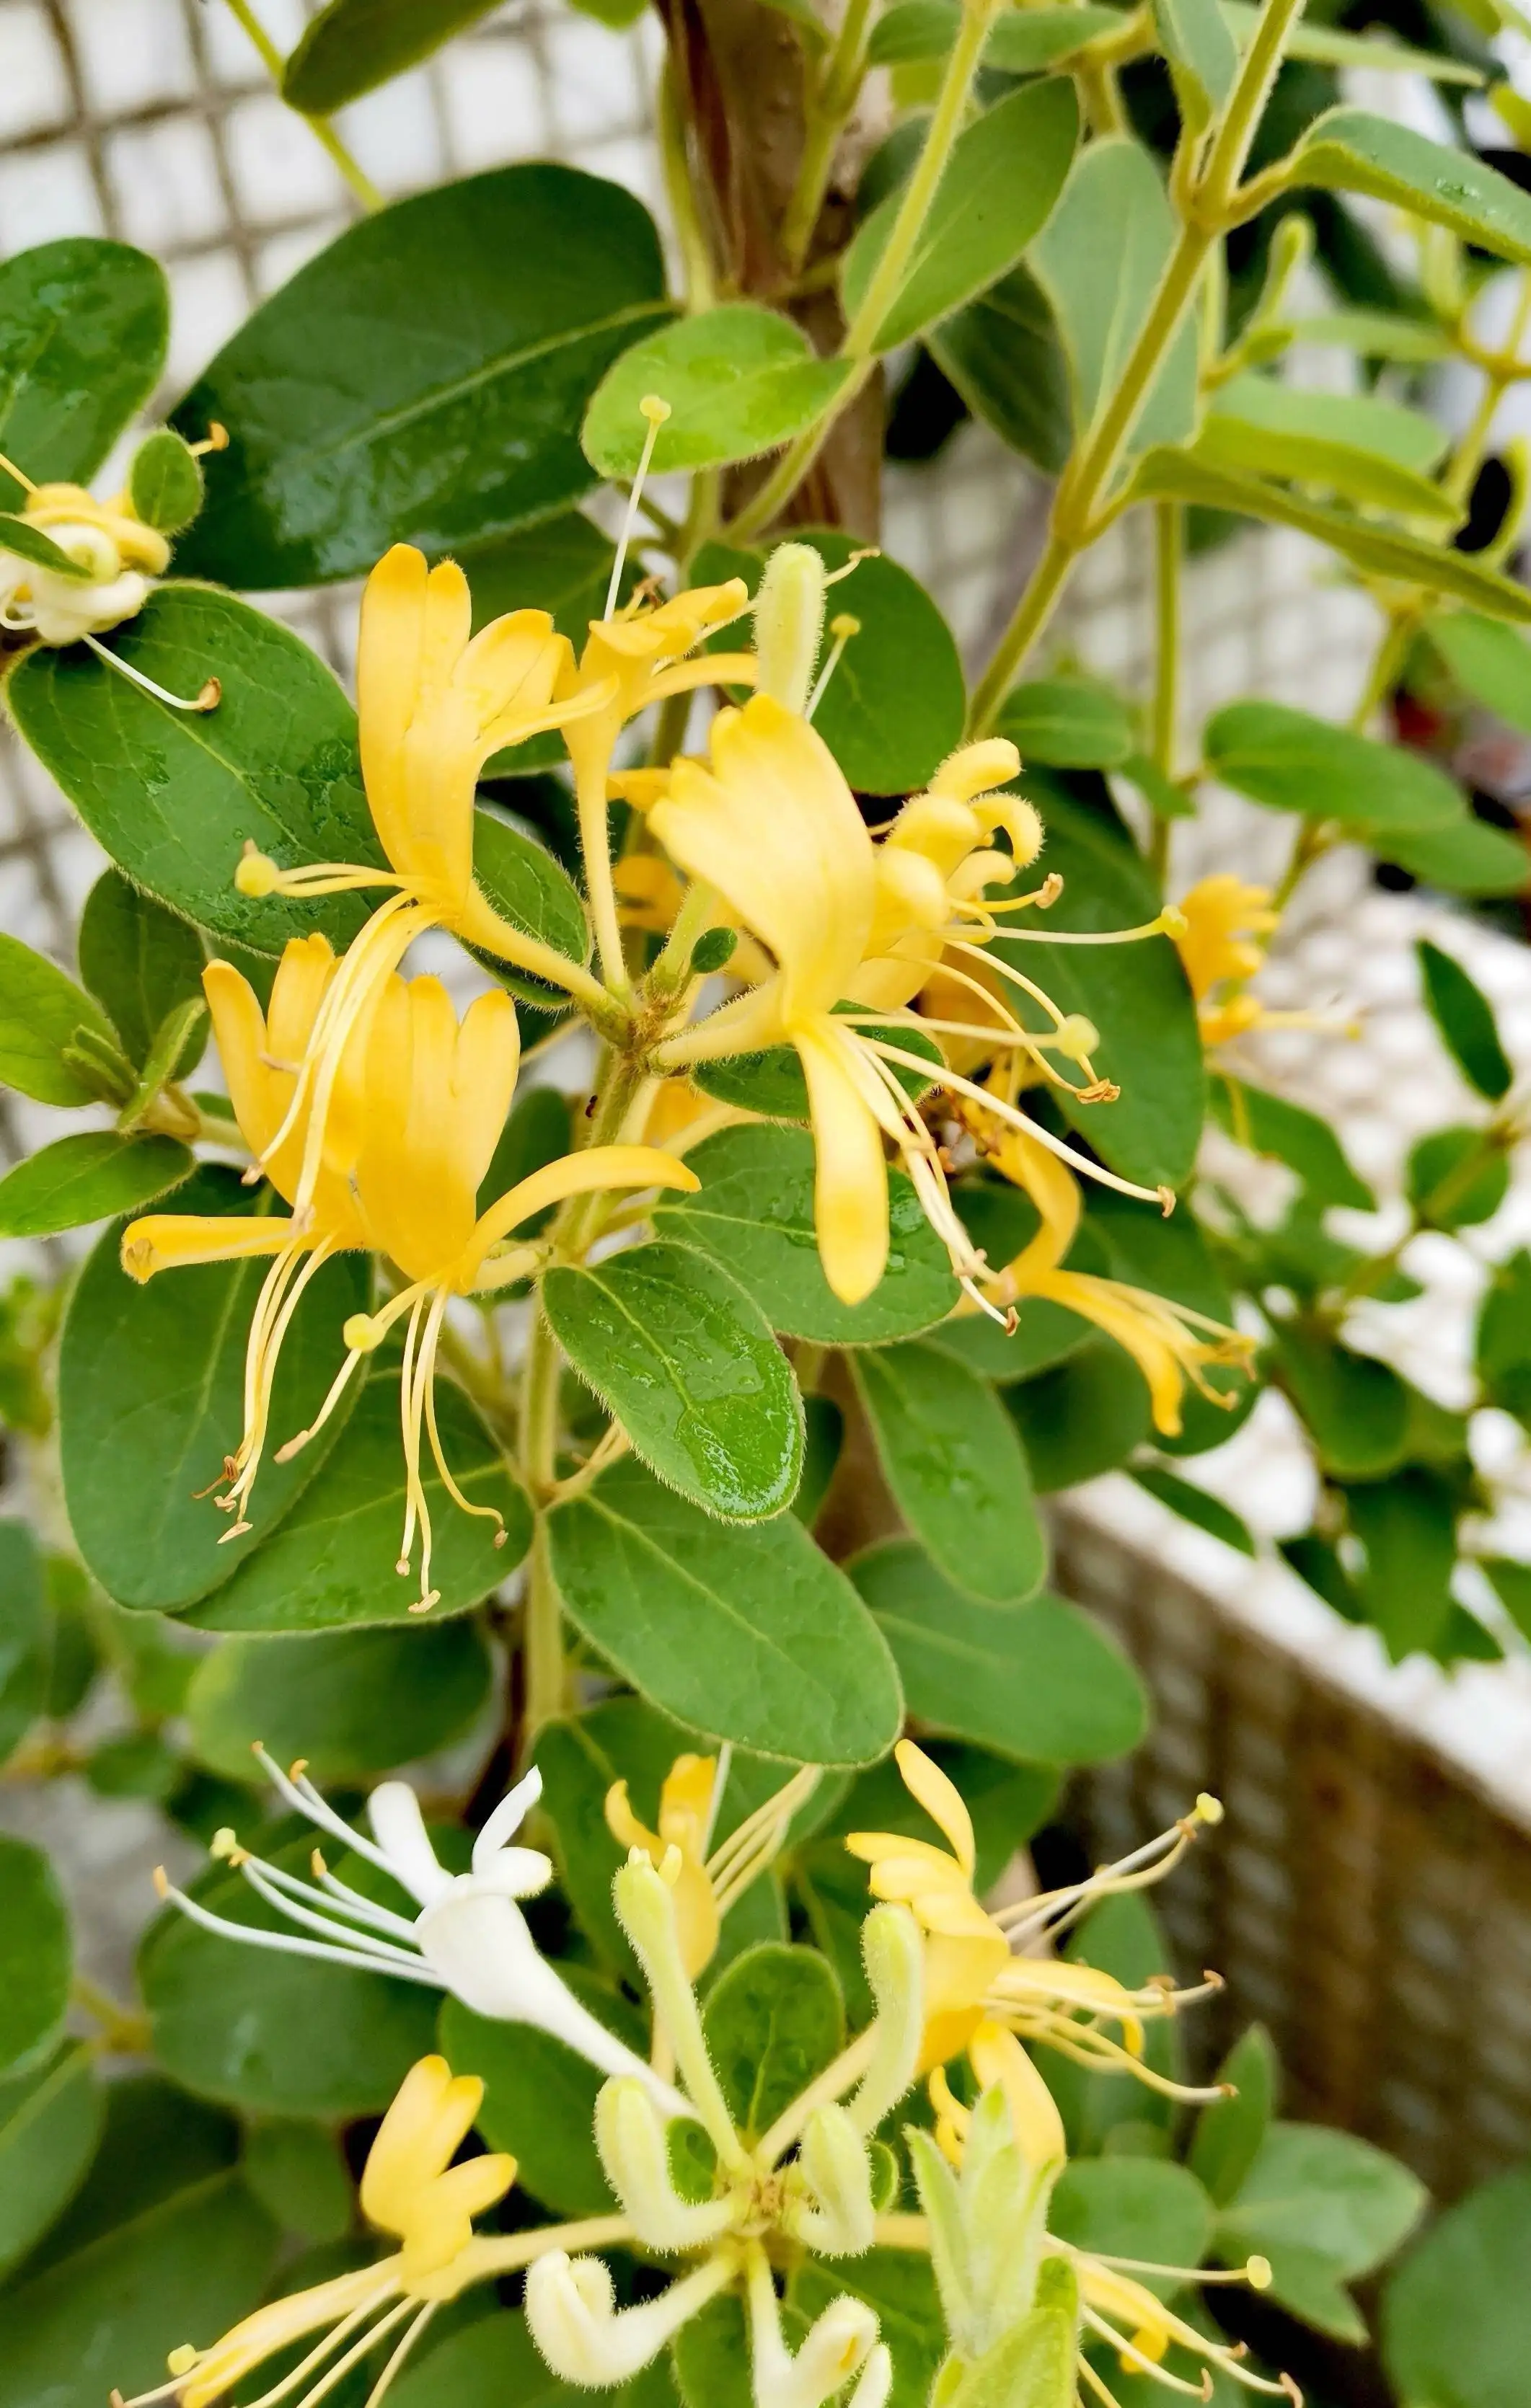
(1208,1809)
(1076,1037)
(182,2360)
(842,626)
(363,1331)
(1257,2274)
(256,875)
(654,409)
(162,1881)
(224,1842)
(1172,921)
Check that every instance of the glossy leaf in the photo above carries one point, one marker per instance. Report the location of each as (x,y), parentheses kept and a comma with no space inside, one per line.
(687,1361)
(83,326)
(1071,723)
(1348,150)
(888,731)
(1003,351)
(1184,476)
(1099,261)
(949,1454)
(350,1705)
(1001,182)
(42,1013)
(538,2105)
(1025,42)
(196,2262)
(1037,1683)
(1489,661)
(151,1388)
(739,379)
(1203,55)
(1136,996)
(166,481)
(27,541)
(1407,1524)
(403,388)
(1275,1126)
(50,2121)
(353,46)
(297,2172)
(1465,1018)
(527,887)
(1356,1409)
(1133,2207)
(1374,334)
(751,1636)
(753,1215)
(89,1177)
(1229,2132)
(141,961)
(276,761)
(1292,762)
(331,1563)
(36,1955)
(1456,2313)
(1082,1418)
(774,2021)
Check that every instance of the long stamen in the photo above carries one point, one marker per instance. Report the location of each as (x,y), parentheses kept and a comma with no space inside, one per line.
(411,1394)
(1163,1196)
(656,411)
(1132,2356)
(208,698)
(841,628)
(465,1504)
(327,2348)
(295,1445)
(286,1943)
(300,1793)
(279,1891)
(350,1901)
(255,1439)
(358,2351)
(20,474)
(1168,923)
(380,2387)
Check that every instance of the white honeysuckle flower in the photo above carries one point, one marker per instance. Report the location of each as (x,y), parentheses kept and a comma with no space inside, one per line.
(841,2343)
(59,609)
(469,1938)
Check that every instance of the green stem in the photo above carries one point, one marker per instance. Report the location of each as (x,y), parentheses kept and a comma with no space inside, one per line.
(1032,612)
(829,108)
(1169,543)
(323,132)
(860,340)
(1258,71)
(697,281)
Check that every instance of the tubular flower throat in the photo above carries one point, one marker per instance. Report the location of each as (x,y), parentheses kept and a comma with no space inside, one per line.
(433,702)
(414,1112)
(1170,1342)
(856,930)
(410,2190)
(979,1966)
(707,1881)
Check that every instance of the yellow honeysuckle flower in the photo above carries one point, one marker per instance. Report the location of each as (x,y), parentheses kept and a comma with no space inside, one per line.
(1169,1342)
(433,702)
(973,1974)
(1225,928)
(770,823)
(706,1882)
(410,2190)
(415,1110)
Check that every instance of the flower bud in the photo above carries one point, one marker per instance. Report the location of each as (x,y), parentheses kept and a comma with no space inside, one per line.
(631,2139)
(893,1954)
(833,2161)
(789,624)
(572,2317)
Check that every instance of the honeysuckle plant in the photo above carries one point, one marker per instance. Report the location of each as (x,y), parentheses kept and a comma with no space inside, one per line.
(625,1162)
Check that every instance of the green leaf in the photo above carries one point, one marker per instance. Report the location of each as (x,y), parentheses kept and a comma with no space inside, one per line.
(888,731)
(1184,476)
(494,2361)
(275,2034)
(1331,46)
(195,2264)
(141,961)
(1196,1505)
(354,46)
(1032,2365)
(753,1215)
(748,1635)
(1468,858)
(538,2104)
(42,1015)
(1123,1936)
(49,2123)
(89,1177)
(36,1955)
(1465,1018)
(1407,1525)
(1456,2315)
(1321,2204)
(1099,260)
(353,1704)
(166,481)
(1502,1353)
(950,1457)
(403,388)
(1288,1132)
(1002,1221)
(1074,723)
(157,2141)
(774,2021)
(739,379)
(1082,1418)
(1367,450)
(1136,994)
(1291,761)
(1003,351)
(150,1390)
(1348,150)
(1203,55)
(1454,1178)
(297,2172)
(27,541)
(1231,2131)
(1037,1682)
(1511,1584)
(331,1563)
(83,326)
(1375,334)
(899,2286)
(1133,2207)
(24,1635)
(1356,1409)
(1000,184)
(1489,661)
(1024,43)
(173,795)
(562,565)
(686,1360)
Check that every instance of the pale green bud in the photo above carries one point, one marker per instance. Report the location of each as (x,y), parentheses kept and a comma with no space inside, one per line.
(833,2160)
(631,2138)
(789,624)
(893,1954)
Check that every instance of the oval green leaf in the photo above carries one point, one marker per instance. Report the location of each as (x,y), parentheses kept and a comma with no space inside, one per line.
(739,381)
(151,1400)
(49,2123)
(950,1457)
(402,387)
(1004,355)
(89,1177)
(1350,150)
(686,1360)
(166,481)
(1292,762)
(83,326)
(1489,661)
(354,46)
(1070,723)
(774,2021)
(142,963)
(351,1704)
(1463,1016)
(538,2106)
(37,1957)
(1469,857)
(1081,1417)
(42,1013)
(750,1634)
